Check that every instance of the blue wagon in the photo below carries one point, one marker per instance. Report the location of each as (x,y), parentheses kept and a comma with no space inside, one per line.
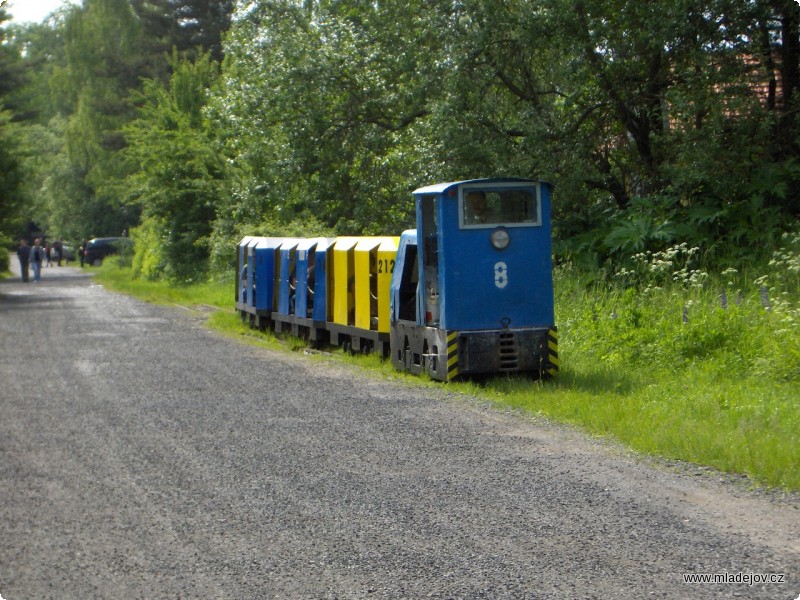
(256,286)
(302,306)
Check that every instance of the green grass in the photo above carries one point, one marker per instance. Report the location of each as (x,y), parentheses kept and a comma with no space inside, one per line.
(675,371)
(721,390)
(113,276)
(736,426)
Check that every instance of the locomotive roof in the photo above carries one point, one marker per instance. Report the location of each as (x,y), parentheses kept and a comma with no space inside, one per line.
(439,188)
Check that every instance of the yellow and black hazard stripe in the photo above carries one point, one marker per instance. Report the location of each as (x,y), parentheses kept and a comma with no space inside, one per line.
(452,354)
(552,352)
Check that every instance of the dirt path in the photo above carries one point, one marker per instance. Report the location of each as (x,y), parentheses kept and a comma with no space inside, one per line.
(142,456)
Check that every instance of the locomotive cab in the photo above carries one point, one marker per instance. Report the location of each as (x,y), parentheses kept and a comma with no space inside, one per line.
(472,289)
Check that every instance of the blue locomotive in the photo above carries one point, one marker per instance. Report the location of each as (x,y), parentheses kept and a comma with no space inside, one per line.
(468,292)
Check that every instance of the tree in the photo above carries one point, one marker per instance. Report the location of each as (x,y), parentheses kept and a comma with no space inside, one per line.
(37,94)
(200,24)
(192,27)
(175,170)
(11,74)
(325,104)
(11,177)
(638,111)
(80,69)
(12,201)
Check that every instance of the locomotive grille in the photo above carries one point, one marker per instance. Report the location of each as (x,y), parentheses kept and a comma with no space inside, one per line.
(507,349)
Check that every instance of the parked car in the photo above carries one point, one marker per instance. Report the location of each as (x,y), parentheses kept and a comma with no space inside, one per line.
(98,248)
(69,253)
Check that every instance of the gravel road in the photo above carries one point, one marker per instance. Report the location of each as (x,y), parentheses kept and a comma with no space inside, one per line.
(143,456)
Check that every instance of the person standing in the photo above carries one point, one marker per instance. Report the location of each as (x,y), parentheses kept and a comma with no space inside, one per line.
(37,258)
(58,250)
(47,254)
(24,254)
(82,250)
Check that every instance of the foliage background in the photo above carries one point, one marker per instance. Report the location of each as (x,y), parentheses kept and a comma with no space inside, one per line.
(659,123)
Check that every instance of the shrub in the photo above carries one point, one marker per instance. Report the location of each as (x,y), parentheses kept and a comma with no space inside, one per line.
(8,243)
(148,261)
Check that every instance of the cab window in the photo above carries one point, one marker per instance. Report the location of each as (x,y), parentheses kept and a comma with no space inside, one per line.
(486,207)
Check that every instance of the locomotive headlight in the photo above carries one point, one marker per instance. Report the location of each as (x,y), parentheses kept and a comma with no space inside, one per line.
(500,239)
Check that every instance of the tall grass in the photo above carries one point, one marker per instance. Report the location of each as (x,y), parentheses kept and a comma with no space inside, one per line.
(683,364)
(669,360)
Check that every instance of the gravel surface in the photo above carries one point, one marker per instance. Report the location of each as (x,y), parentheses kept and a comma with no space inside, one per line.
(143,456)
